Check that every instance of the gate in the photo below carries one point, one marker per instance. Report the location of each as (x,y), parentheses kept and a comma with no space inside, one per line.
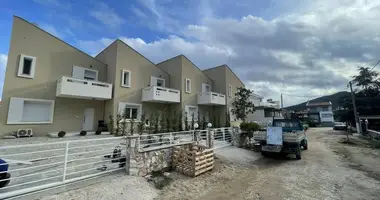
(222,137)
(35,167)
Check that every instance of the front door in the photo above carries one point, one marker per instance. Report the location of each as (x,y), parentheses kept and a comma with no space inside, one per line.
(88,123)
(206,88)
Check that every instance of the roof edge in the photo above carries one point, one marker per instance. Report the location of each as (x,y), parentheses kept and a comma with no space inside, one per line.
(57,38)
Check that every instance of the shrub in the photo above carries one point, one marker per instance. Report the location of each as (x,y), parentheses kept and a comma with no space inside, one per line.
(61,134)
(187,127)
(119,117)
(248,128)
(132,127)
(111,124)
(228,119)
(98,132)
(180,128)
(83,133)
(140,126)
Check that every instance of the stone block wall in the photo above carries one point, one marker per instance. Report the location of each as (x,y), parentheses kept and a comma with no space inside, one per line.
(144,163)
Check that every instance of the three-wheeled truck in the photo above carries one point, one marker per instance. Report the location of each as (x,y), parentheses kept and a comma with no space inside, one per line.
(285,136)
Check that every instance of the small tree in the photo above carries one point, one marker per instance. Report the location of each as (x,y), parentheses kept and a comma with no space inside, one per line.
(141,124)
(180,122)
(192,120)
(214,124)
(168,122)
(156,121)
(111,124)
(162,122)
(175,121)
(124,124)
(132,127)
(204,123)
(119,117)
(218,121)
(228,119)
(242,106)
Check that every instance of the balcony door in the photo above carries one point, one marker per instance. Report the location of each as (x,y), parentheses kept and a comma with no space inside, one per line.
(84,73)
(155,81)
(206,88)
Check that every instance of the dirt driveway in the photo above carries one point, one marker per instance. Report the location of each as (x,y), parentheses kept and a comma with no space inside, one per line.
(328,170)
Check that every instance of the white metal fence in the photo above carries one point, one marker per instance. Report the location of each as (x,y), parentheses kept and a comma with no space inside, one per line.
(38,166)
(222,138)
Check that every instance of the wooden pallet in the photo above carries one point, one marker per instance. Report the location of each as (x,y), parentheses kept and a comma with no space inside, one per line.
(193,160)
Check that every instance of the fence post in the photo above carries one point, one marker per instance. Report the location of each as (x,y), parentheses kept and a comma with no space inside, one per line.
(133,146)
(65,164)
(171,138)
(210,138)
(224,134)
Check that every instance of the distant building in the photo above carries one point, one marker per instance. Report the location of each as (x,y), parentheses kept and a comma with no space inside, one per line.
(265,111)
(320,113)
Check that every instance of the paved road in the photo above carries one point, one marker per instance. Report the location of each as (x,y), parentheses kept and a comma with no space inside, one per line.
(323,173)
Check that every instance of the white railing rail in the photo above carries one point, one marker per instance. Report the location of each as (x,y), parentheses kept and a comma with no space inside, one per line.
(84,82)
(39,166)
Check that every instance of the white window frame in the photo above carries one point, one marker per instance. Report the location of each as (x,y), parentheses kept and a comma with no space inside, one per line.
(163,80)
(187,108)
(229,90)
(21,66)
(122,106)
(129,79)
(188,90)
(81,71)
(15,107)
(93,70)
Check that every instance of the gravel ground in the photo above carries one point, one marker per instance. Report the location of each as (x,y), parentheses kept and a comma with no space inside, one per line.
(120,188)
(328,170)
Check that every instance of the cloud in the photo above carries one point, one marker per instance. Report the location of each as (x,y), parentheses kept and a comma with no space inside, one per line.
(107,16)
(54,3)
(313,50)
(3,64)
(52,30)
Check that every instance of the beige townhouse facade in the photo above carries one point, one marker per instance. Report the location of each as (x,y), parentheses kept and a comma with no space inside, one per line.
(226,82)
(52,86)
(39,90)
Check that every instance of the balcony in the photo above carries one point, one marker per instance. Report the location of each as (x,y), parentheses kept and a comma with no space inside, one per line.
(160,95)
(83,89)
(211,98)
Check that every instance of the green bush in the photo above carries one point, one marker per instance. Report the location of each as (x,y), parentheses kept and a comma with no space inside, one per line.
(248,128)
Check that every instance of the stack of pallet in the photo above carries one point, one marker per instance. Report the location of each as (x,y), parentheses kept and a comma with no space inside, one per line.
(193,160)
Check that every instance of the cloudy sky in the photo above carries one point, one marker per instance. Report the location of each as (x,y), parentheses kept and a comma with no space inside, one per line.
(296,47)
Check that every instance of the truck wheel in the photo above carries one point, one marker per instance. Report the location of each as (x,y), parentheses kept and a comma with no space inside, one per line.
(298,153)
(305,146)
(265,154)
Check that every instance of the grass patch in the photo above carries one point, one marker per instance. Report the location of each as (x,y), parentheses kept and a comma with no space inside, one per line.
(349,142)
(375,144)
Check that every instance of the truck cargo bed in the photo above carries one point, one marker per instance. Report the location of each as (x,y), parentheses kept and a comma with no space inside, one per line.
(295,137)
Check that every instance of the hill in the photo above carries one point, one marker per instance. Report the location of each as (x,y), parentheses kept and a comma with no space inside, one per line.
(334,98)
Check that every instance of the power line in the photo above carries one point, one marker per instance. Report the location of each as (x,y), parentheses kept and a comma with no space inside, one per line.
(375,65)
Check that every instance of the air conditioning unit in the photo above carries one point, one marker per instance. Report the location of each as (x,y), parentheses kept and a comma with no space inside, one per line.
(24,133)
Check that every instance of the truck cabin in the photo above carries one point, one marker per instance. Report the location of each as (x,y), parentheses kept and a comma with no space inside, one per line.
(288,125)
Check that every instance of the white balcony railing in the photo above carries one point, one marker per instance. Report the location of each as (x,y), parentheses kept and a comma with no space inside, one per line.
(211,98)
(160,94)
(83,89)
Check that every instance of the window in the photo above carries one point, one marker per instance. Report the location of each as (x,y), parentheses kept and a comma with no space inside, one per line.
(161,82)
(90,75)
(187,85)
(27,65)
(230,90)
(85,74)
(30,111)
(130,110)
(326,115)
(191,111)
(126,78)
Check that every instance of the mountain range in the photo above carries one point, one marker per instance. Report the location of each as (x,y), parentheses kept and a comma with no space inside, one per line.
(334,98)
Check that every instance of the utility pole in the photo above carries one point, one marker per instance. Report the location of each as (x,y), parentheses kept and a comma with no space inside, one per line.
(358,126)
(282,102)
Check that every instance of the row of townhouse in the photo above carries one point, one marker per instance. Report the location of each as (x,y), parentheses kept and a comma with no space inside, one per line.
(52,86)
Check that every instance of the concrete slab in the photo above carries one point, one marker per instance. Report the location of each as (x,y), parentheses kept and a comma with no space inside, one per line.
(237,156)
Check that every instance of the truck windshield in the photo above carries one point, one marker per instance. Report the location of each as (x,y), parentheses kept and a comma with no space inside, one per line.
(288,125)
